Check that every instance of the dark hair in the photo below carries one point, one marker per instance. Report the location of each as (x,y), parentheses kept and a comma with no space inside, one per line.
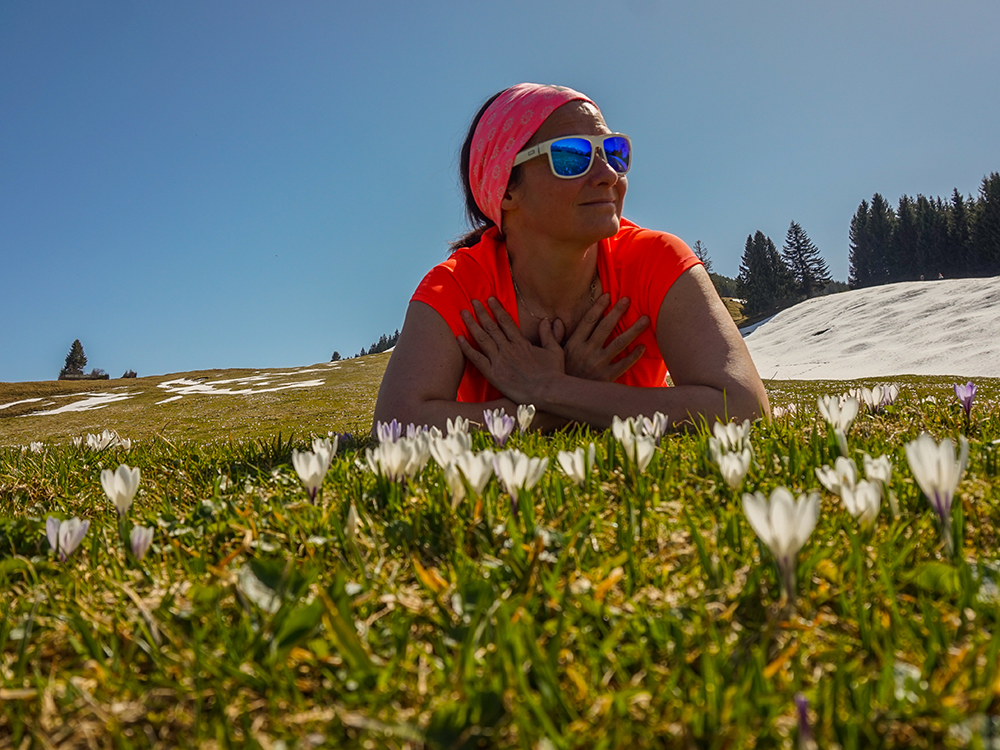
(478,221)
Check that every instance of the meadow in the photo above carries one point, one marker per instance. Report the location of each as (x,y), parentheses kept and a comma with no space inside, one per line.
(637,609)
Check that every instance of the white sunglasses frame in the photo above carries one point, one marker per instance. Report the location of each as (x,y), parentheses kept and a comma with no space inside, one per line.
(596,143)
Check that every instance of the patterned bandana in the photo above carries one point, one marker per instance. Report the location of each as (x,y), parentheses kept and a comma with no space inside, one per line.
(506,125)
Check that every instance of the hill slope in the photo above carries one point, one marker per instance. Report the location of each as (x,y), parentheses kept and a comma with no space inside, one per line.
(948,327)
(206,405)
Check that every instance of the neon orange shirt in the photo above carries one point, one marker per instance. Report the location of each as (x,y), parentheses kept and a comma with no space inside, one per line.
(637,263)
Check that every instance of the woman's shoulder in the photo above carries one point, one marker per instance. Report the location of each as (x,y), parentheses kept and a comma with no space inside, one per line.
(468,268)
(633,240)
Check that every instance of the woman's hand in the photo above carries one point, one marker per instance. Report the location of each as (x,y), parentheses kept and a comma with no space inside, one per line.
(586,355)
(511,363)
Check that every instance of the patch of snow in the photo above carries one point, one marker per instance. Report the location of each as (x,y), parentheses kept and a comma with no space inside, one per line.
(97,401)
(747,330)
(258,384)
(945,327)
(168,400)
(15,403)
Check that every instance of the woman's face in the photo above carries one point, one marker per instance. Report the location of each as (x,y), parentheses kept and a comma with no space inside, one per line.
(583,209)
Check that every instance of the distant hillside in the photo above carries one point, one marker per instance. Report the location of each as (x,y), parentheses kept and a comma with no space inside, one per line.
(203,405)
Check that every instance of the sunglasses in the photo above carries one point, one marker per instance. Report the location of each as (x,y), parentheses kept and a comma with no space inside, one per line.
(572,155)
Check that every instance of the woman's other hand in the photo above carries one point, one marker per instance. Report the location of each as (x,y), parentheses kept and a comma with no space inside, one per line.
(511,363)
(587,356)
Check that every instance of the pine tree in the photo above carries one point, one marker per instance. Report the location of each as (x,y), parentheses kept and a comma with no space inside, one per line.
(986,230)
(764,279)
(881,221)
(702,253)
(804,262)
(959,245)
(76,360)
(859,273)
(907,264)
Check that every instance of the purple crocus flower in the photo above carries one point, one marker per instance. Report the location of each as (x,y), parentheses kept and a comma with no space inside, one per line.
(412,430)
(388,432)
(499,424)
(65,536)
(965,394)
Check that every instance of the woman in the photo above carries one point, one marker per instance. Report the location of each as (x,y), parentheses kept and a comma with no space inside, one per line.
(556,300)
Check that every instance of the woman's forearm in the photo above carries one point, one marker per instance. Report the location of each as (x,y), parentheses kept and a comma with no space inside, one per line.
(597,403)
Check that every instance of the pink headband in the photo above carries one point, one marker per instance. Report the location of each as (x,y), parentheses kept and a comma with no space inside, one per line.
(506,125)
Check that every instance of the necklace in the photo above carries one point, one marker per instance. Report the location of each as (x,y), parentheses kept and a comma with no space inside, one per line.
(520,297)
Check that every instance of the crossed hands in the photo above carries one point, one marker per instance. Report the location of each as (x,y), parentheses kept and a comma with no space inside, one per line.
(521,371)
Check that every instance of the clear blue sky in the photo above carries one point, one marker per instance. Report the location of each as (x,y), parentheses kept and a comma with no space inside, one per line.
(188,185)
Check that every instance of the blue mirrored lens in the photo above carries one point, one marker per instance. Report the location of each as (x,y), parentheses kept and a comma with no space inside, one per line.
(618,153)
(570,156)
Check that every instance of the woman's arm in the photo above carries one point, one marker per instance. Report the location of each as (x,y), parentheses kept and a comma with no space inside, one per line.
(421,380)
(711,368)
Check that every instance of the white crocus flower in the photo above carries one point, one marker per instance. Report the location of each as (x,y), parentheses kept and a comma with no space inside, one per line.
(65,536)
(577,465)
(732,436)
(870,398)
(477,468)
(453,477)
(784,524)
(655,427)
(120,486)
(638,448)
(458,426)
(516,471)
(36,447)
(734,467)
(78,442)
(621,427)
(326,446)
(139,540)
(421,452)
(729,438)
(843,474)
(863,501)
(890,392)
(839,411)
(525,414)
(784,411)
(311,468)
(403,458)
(878,469)
(444,450)
(938,474)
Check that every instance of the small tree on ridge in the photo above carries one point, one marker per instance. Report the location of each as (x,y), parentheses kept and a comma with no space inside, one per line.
(76,360)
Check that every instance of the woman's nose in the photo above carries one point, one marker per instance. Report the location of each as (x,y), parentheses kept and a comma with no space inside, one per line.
(602,168)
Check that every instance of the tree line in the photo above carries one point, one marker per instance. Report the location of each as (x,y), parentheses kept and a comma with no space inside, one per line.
(384,342)
(926,237)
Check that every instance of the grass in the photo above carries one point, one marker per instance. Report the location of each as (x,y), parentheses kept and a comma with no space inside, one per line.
(639,610)
(344,402)
(735,309)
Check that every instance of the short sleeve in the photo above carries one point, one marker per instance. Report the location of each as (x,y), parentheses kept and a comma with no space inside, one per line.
(649,263)
(442,291)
